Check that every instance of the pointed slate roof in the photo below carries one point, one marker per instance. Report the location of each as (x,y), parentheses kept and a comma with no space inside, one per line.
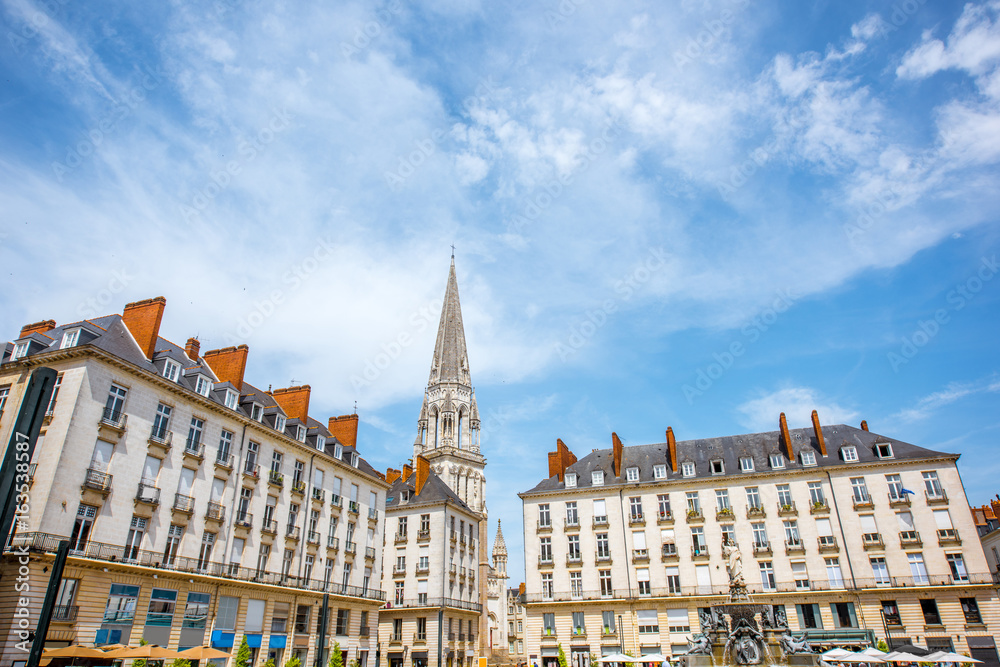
(451,361)
(499,546)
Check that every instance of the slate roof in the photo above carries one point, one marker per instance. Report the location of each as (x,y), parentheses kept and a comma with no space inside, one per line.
(730,449)
(434,491)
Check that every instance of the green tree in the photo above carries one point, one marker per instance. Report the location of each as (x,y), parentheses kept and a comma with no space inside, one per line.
(269,663)
(882,646)
(336,657)
(293,662)
(562,656)
(180,662)
(140,662)
(243,655)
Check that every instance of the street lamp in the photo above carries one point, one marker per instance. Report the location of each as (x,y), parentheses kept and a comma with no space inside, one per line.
(621,636)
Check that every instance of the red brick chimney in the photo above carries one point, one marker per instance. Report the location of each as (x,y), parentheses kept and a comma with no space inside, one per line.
(143,319)
(672,448)
(294,401)
(520,588)
(864,425)
(37,327)
(407,471)
(229,364)
(345,429)
(560,459)
(819,433)
(786,437)
(616,453)
(423,471)
(192,348)
(391,475)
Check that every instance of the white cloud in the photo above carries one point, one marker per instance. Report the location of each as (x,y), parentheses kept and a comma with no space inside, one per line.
(955,391)
(761,413)
(973,45)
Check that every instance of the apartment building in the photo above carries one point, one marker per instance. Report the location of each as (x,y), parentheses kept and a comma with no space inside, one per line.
(987,520)
(199,508)
(848,534)
(516,621)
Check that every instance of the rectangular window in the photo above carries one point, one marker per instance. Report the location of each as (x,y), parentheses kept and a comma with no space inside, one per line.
(196,610)
(659,471)
(605,578)
(808,457)
(673,579)
(603,546)
(545,549)
(343,621)
(753,497)
(547,585)
(891,613)
(572,518)
(573,544)
(777,461)
(722,500)
(932,484)
(849,454)
(225,443)
(759,535)
(895,483)
(635,508)
(971,610)
(161,607)
(544,518)
(693,502)
(746,464)
(549,623)
(843,615)
(51,408)
(597,477)
(203,386)
(816,496)
(809,618)
(880,570)
(718,467)
(800,575)
(608,622)
(647,621)
(833,573)
(302,618)
(859,489)
(766,575)
(698,540)
(688,469)
(917,568)
(663,505)
(576,584)
(930,610)
(279,618)
(254,619)
(957,565)
(571,480)
(225,615)
(194,434)
(791,532)
(678,620)
(70,338)
(784,495)
(578,626)
(632,474)
(600,511)
(642,579)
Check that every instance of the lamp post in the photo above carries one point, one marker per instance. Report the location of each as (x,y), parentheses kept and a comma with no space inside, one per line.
(621,636)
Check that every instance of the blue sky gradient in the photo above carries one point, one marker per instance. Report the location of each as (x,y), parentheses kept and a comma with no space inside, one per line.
(686,214)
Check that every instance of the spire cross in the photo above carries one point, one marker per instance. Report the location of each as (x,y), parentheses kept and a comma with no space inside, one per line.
(453,251)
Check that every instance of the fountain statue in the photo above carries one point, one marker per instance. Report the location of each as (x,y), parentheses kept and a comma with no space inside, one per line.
(790,645)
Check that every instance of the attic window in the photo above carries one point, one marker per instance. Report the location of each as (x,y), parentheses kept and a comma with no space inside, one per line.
(746,463)
(20,350)
(320,442)
(338,451)
(279,423)
(257,412)
(571,480)
(70,338)
(718,467)
(808,457)
(883,450)
(231,398)
(597,477)
(659,471)
(354,459)
(300,433)
(777,461)
(632,474)
(849,453)
(687,469)
(203,386)
(171,370)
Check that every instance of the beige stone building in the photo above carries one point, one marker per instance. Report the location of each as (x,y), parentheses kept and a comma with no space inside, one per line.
(516,621)
(199,508)
(850,535)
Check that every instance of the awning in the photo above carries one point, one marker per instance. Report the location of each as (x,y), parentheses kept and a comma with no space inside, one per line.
(419,655)
(222,639)
(277,641)
(253,641)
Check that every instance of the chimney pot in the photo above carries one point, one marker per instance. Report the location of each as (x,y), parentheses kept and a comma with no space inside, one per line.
(616,451)
(229,364)
(143,320)
(294,401)
(37,327)
(345,429)
(192,348)
(672,448)
(819,433)
(786,436)
(864,425)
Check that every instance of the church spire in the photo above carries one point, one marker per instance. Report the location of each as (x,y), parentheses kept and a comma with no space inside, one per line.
(500,553)
(450,362)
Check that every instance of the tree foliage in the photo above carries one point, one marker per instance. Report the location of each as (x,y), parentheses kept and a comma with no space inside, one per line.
(562,656)
(243,655)
(336,657)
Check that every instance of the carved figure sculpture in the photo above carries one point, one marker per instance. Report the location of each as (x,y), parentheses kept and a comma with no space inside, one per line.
(790,645)
(699,645)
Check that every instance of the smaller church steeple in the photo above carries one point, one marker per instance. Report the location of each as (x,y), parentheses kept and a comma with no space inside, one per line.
(500,554)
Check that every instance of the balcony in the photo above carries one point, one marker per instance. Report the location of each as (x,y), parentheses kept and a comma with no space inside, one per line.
(312,536)
(183,504)
(423,567)
(461,540)
(419,637)
(64,613)
(574,559)
(725,514)
(545,560)
(548,634)
(269,527)
(292,533)
(251,473)
(97,480)
(699,553)
(336,502)
(863,503)
(665,518)
(353,507)
(215,512)
(762,549)
(756,512)
(937,498)
(333,543)
(114,420)
(571,524)
(948,536)
(787,509)
(640,555)
(543,527)
(695,516)
(872,541)
(669,551)
(194,451)
(453,569)
(424,535)
(400,538)
(637,519)
(899,500)
(373,514)
(243,520)
(350,547)
(461,572)
(603,556)
(319,495)
(224,461)
(819,507)
(147,494)
(275,479)
(828,543)
(160,441)
(454,537)
(910,538)
(794,546)
(580,633)
(369,553)
(299,487)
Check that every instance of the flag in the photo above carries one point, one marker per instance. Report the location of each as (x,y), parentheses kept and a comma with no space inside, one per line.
(905,490)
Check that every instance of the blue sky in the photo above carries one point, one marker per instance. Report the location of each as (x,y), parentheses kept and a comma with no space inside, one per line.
(687,214)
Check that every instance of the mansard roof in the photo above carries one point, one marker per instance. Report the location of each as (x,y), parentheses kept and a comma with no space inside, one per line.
(435,491)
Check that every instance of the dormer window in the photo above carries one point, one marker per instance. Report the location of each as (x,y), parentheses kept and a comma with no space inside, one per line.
(746,463)
(597,478)
(300,433)
(320,442)
(20,350)
(279,423)
(808,457)
(687,469)
(338,451)
(354,459)
(777,461)
(849,453)
(571,480)
(659,471)
(632,474)
(718,467)
(203,386)
(883,450)
(257,412)
(231,398)
(70,338)
(171,370)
